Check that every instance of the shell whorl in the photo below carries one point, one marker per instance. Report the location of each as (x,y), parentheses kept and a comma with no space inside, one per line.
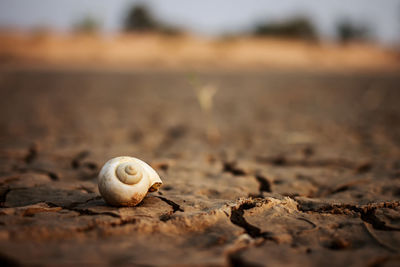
(129,172)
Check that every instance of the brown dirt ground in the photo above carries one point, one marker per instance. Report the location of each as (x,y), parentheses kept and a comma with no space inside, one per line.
(284,168)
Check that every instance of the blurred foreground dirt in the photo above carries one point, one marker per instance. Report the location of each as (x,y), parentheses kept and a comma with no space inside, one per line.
(278,168)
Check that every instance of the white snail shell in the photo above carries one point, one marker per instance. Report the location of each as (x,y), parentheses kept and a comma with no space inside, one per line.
(125,181)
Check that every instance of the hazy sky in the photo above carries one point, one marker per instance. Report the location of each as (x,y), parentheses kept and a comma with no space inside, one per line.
(207,16)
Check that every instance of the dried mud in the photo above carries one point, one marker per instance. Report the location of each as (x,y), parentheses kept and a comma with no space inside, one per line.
(295,169)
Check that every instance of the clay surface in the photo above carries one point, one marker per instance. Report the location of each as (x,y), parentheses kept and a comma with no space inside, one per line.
(282,168)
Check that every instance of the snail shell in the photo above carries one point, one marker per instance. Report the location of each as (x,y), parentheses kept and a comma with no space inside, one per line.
(125,181)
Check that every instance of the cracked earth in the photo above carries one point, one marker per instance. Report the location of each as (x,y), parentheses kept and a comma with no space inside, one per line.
(297,169)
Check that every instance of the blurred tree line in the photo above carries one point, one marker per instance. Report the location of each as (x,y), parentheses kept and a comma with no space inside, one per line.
(294,28)
(139,19)
(301,27)
(347,31)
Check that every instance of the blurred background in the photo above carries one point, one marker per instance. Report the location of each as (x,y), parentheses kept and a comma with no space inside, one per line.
(177,33)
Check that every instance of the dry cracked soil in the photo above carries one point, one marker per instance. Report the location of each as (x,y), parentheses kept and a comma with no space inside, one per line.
(278,168)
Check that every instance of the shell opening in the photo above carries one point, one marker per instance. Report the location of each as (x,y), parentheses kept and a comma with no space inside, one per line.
(155,187)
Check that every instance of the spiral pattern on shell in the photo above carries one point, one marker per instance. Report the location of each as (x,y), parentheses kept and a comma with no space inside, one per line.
(125,181)
(129,173)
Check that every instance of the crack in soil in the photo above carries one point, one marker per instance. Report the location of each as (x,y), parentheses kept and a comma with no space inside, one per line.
(8,261)
(72,207)
(123,222)
(366,212)
(370,217)
(283,161)
(377,239)
(175,207)
(236,260)
(31,155)
(265,184)
(343,187)
(74,204)
(238,219)
(95,225)
(76,161)
(308,221)
(91,166)
(233,169)
(172,135)
(52,175)
(92,213)
(364,167)
(3,196)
